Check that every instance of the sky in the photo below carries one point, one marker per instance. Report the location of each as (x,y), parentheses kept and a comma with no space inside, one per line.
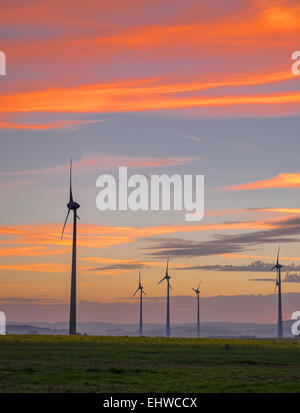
(162,87)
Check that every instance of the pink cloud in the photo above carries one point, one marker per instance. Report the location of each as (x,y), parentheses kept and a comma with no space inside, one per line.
(106,162)
(65,124)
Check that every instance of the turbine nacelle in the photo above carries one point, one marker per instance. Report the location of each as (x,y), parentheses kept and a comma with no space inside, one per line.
(73,205)
(197,291)
(277,266)
(167,276)
(140,287)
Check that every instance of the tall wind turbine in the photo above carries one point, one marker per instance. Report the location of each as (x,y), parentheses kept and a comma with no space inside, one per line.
(167,278)
(72,206)
(278,267)
(197,291)
(141,289)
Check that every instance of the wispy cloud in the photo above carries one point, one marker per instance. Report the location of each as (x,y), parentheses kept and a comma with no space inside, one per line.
(50,267)
(289,278)
(284,231)
(116,269)
(263,279)
(135,35)
(93,99)
(98,162)
(48,301)
(65,124)
(193,138)
(284,180)
(101,236)
(32,251)
(256,266)
(292,278)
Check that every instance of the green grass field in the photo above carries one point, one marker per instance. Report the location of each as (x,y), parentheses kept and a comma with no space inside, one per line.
(127,364)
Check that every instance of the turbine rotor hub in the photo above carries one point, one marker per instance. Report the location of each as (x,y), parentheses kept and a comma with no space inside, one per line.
(73,205)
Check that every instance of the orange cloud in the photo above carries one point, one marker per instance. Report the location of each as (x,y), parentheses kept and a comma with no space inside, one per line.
(42,237)
(118,97)
(238,29)
(33,251)
(255,23)
(281,210)
(97,236)
(225,212)
(284,180)
(265,23)
(68,12)
(39,267)
(47,126)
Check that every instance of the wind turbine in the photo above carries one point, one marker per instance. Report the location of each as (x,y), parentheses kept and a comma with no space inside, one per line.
(278,267)
(141,289)
(72,206)
(197,291)
(167,278)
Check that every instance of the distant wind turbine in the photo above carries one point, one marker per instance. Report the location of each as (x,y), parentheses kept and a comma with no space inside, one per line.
(197,291)
(72,206)
(278,267)
(167,278)
(141,289)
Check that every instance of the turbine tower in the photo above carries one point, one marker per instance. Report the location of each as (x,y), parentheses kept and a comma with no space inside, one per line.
(167,278)
(278,267)
(197,291)
(72,206)
(141,289)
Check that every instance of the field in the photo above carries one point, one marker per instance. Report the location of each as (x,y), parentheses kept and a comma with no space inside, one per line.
(127,364)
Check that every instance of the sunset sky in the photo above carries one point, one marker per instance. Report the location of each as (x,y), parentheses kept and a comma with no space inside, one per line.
(172,87)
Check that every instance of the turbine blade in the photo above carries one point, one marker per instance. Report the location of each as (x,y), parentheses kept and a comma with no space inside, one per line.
(277,261)
(161,280)
(199,285)
(77,216)
(139,278)
(194,290)
(135,292)
(143,292)
(167,268)
(273,268)
(71,195)
(62,234)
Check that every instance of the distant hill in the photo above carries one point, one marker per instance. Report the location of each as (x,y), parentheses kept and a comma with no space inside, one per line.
(178,330)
